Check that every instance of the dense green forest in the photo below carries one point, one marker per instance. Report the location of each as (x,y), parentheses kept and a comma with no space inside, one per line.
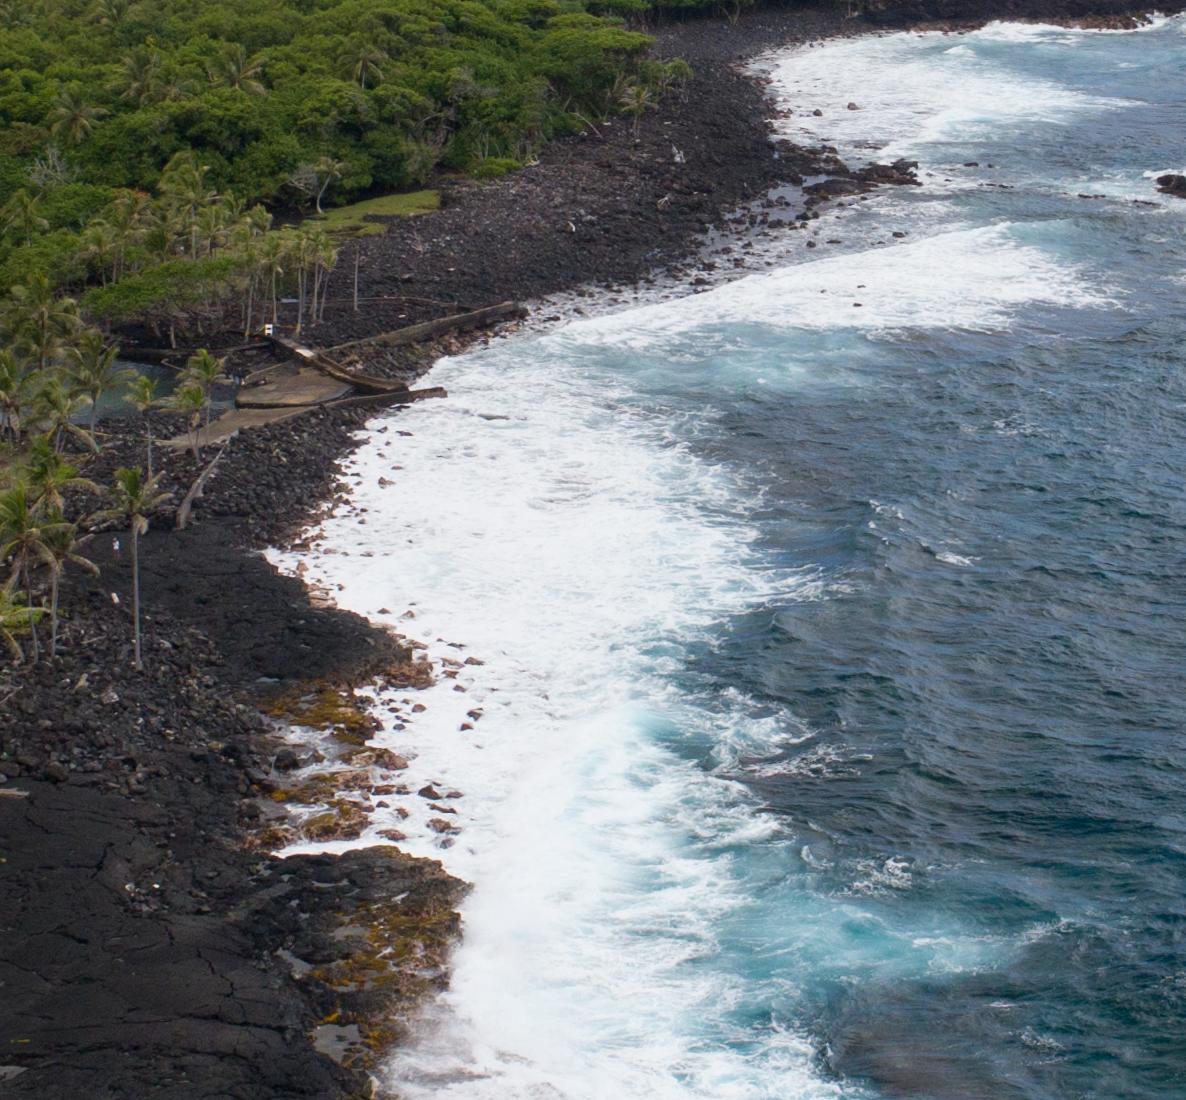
(105,105)
(105,92)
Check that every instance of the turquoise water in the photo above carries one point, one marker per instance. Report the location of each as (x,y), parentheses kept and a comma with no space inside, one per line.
(832,737)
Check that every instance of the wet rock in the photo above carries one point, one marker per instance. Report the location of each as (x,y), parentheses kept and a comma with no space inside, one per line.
(1172,184)
(286,761)
(345,820)
(899,173)
(376,757)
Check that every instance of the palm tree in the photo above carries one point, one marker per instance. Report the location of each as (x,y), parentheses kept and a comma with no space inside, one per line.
(634,100)
(173,89)
(15,391)
(99,243)
(54,411)
(328,171)
(236,70)
(22,541)
(111,13)
(62,544)
(327,260)
(189,399)
(48,476)
(212,227)
(204,370)
(134,499)
(20,217)
(318,252)
(185,194)
(141,395)
(245,236)
(273,256)
(128,218)
(72,118)
(366,60)
(37,320)
(14,619)
(95,371)
(299,253)
(141,76)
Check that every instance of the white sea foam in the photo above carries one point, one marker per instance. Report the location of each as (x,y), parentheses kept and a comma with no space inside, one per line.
(566,546)
(948,557)
(916,91)
(968,279)
(1053,34)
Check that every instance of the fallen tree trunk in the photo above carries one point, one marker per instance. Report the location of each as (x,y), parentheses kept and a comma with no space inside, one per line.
(326,365)
(195,491)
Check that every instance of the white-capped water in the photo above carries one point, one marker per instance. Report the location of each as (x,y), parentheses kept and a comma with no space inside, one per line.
(913,100)
(963,279)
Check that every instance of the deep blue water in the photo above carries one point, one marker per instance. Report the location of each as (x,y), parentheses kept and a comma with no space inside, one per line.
(995,685)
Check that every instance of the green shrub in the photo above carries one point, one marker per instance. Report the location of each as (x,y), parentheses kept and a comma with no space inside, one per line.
(493,168)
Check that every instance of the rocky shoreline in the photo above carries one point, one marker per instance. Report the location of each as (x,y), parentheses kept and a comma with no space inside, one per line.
(152,948)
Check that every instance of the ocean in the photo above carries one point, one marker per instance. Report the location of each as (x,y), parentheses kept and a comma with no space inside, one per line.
(816,641)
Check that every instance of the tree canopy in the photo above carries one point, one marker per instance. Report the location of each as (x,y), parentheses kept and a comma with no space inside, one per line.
(104,93)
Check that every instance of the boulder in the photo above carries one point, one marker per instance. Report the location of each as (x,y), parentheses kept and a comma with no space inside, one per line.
(1173,183)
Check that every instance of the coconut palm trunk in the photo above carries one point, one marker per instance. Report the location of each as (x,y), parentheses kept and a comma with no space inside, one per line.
(53,613)
(300,296)
(32,613)
(134,499)
(136,595)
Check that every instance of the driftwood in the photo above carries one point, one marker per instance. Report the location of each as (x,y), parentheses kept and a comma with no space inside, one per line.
(427,330)
(382,400)
(335,370)
(394,392)
(195,490)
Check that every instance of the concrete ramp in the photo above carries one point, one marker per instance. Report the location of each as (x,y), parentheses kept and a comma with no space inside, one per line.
(305,387)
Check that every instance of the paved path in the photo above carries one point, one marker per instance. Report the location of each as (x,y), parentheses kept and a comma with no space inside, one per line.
(236,420)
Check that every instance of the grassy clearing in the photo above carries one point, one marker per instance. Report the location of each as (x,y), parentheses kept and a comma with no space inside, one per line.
(351,221)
